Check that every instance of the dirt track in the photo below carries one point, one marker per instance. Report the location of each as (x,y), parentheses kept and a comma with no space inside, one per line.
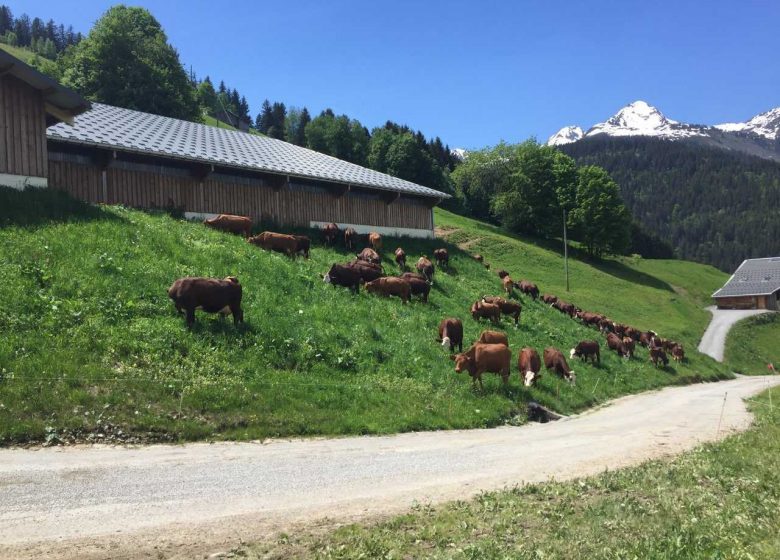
(185,501)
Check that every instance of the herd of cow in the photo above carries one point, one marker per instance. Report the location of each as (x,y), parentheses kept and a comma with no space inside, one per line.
(489,354)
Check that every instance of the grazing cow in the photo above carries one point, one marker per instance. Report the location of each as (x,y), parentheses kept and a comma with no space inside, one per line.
(529,365)
(587,349)
(240,225)
(390,286)
(678,353)
(486,310)
(425,267)
(633,334)
(511,308)
(606,326)
(478,257)
(646,338)
(400,258)
(369,255)
(502,273)
(367,271)
(493,337)
(658,355)
(442,257)
(304,245)
(375,240)
(330,232)
(589,318)
(508,285)
(629,344)
(549,299)
(350,236)
(451,332)
(614,342)
(341,275)
(667,344)
(408,275)
(565,307)
(481,358)
(619,329)
(554,360)
(212,295)
(418,287)
(279,242)
(529,288)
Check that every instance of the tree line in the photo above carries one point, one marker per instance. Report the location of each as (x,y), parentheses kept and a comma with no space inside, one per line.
(44,38)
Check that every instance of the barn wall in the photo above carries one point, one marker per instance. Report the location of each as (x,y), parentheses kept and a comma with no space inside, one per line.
(23,150)
(737,302)
(147,186)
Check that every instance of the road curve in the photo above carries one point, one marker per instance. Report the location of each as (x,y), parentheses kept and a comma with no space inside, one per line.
(713,342)
(99,501)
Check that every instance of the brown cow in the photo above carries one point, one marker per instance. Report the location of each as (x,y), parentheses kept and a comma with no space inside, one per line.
(587,349)
(508,284)
(629,344)
(589,318)
(375,240)
(645,338)
(549,299)
(425,267)
(442,257)
(212,295)
(418,287)
(488,310)
(369,255)
(344,275)
(614,342)
(511,308)
(493,337)
(232,224)
(658,355)
(304,245)
(528,288)
(632,333)
(390,286)
(502,273)
(366,270)
(554,360)
(400,258)
(350,236)
(408,275)
(529,365)
(565,307)
(330,232)
(279,242)
(481,358)
(678,353)
(451,332)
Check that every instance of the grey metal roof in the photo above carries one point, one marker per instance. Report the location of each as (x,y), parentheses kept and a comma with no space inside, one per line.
(133,131)
(754,277)
(53,92)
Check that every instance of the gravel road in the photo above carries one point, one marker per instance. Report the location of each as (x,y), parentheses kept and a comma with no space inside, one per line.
(191,500)
(713,343)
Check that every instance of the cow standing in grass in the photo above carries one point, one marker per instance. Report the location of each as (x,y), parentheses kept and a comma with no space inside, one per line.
(490,311)
(400,258)
(330,232)
(442,257)
(451,333)
(554,360)
(212,295)
(375,240)
(425,267)
(350,236)
(586,349)
(481,358)
(240,225)
(529,365)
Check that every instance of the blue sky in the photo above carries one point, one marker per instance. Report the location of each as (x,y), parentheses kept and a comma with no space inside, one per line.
(475,73)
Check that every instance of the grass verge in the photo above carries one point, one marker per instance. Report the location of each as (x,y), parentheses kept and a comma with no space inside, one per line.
(753,343)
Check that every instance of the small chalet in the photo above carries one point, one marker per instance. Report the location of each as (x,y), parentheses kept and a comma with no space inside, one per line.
(755,285)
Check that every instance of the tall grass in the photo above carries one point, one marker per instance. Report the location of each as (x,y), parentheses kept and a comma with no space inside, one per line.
(91,347)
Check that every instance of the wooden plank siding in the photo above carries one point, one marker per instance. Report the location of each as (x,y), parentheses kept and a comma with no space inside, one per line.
(295,205)
(23,149)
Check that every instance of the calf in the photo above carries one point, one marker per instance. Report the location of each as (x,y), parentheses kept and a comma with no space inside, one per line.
(587,349)
(528,288)
(375,240)
(486,310)
(369,255)
(509,286)
(614,342)
(481,358)
(212,295)
(330,232)
(341,275)
(390,286)
(529,365)
(400,258)
(451,332)
(442,257)
(678,353)
(629,345)
(658,355)
(350,236)
(232,224)
(549,299)
(279,242)
(493,337)
(425,267)
(554,360)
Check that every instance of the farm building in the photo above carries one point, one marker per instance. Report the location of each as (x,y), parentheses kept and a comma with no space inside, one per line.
(113,155)
(755,285)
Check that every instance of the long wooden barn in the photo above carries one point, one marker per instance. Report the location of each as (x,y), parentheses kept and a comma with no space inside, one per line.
(113,155)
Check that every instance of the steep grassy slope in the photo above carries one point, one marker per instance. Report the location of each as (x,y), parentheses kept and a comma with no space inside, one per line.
(754,343)
(91,345)
(22,53)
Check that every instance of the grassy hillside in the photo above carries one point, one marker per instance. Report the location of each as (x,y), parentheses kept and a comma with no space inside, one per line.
(753,343)
(23,54)
(719,501)
(91,347)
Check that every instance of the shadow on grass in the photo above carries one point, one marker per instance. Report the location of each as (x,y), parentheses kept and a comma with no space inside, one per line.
(619,270)
(34,207)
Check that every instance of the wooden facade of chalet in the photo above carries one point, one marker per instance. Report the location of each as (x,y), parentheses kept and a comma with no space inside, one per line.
(22,130)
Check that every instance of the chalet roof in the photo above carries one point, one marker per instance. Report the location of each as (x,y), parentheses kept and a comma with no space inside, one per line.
(58,98)
(126,130)
(754,277)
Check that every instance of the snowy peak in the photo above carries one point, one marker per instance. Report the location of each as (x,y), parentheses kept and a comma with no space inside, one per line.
(766,125)
(642,119)
(566,135)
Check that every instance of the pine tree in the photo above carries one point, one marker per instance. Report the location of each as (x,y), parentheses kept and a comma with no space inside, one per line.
(37,29)
(243,109)
(264,117)
(22,31)
(6,20)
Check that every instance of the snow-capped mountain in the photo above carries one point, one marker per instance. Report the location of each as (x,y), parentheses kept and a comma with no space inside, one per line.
(759,136)
(566,135)
(459,153)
